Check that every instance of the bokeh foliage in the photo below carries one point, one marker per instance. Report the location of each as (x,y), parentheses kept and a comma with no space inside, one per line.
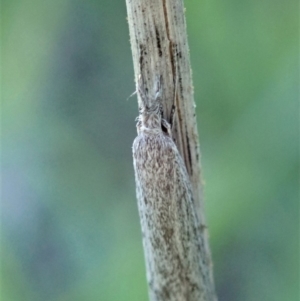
(69,222)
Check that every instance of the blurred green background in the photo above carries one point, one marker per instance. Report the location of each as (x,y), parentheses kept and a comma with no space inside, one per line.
(69,222)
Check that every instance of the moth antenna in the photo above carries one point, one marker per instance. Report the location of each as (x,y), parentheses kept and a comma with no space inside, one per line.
(158,89)
(173,110)
(140,89)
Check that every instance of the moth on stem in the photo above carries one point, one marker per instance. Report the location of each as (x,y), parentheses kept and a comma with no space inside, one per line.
(172,238)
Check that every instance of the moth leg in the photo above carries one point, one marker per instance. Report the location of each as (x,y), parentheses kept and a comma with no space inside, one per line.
(138,124)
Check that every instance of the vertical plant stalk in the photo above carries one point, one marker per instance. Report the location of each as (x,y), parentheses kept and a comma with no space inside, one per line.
(175,237)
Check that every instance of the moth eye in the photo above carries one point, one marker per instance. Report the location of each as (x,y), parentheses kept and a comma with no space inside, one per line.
(164,129)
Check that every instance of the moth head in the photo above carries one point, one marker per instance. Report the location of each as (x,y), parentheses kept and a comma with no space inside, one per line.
(150,104)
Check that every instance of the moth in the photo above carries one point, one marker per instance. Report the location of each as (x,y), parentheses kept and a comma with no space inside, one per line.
(172,238)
